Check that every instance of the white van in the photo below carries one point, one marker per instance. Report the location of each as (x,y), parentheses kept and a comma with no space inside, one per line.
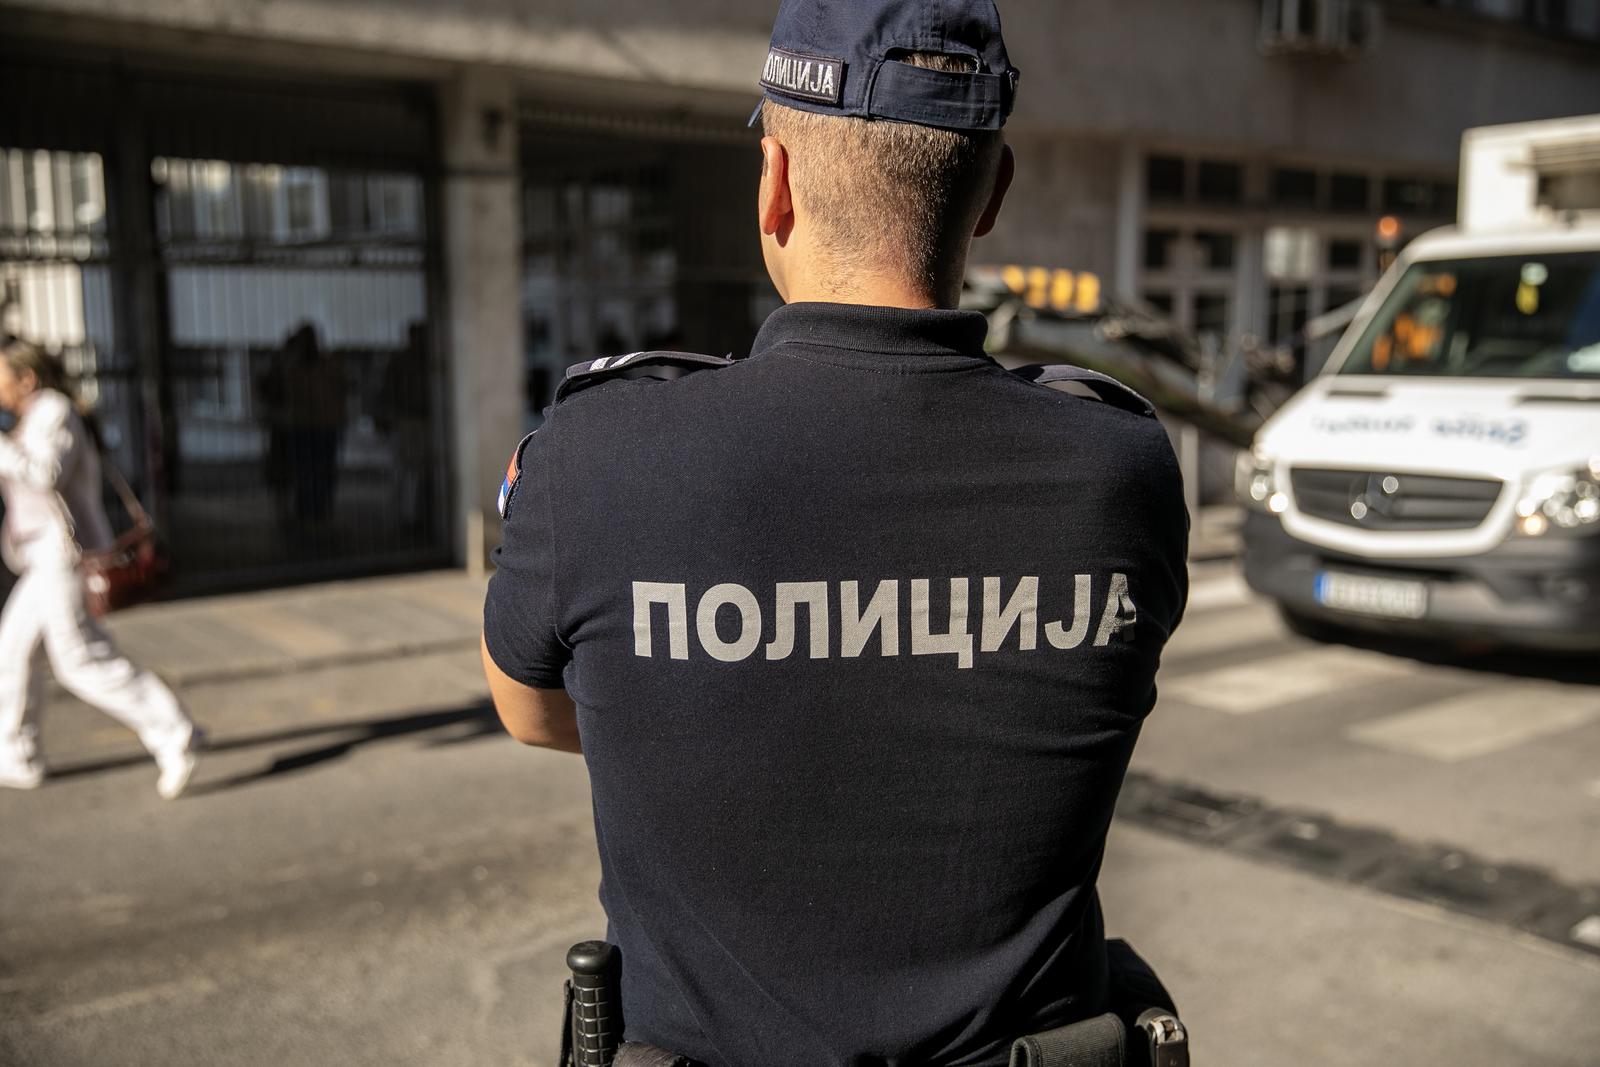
(1442,474)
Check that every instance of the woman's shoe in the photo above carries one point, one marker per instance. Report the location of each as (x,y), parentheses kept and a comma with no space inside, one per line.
(19,773)
(176,767)
(177,764)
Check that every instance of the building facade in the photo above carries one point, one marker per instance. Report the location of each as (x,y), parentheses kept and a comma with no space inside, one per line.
(322,262)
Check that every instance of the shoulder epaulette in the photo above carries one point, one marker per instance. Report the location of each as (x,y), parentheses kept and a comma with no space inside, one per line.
(1101,387)
(581,376)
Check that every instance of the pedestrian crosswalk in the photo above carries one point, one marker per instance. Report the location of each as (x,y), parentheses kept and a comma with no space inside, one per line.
(1282,680)
(1233,656)
(1222,630)
(1477,724)
(1217,589)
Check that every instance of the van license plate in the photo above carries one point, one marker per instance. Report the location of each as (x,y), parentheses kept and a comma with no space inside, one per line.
(1372,596)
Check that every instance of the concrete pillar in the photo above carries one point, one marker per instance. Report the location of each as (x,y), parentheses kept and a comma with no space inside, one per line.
(136,304)
(483,282)
(1130,221)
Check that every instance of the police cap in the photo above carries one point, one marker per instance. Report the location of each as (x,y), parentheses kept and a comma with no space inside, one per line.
(842,57)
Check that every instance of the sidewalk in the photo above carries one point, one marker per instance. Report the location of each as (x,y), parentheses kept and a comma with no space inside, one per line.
(257,635)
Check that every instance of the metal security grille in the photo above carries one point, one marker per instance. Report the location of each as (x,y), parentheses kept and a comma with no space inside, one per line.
(57,286)
(244,276)
(1393,500)
(299,372)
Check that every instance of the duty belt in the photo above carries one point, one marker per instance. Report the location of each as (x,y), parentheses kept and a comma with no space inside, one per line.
(591,1034)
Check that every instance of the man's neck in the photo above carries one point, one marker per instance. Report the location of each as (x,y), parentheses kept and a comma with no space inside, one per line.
(874,291)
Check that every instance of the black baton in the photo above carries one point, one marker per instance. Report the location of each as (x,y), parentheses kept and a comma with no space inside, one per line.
(596,1007)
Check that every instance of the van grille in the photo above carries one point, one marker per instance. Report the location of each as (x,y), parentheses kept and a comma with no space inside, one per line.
(1393,500)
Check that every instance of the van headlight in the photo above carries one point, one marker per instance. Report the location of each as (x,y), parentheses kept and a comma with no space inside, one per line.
(1255,479)
(1561,502)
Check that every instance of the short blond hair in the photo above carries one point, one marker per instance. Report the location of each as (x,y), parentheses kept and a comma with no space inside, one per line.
(885,193)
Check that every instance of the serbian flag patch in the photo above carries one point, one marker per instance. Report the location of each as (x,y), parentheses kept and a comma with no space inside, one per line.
(508,488)
(508,485)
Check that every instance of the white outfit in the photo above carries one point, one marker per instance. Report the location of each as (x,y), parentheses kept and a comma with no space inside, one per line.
(50,478)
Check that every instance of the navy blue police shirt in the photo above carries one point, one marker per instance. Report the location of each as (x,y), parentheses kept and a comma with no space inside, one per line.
(861,631)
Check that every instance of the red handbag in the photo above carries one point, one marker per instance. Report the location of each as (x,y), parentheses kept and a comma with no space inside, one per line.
(128,571)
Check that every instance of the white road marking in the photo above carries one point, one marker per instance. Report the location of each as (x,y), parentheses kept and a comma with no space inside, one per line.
(133,998)
(1280,681)
(1223,591)
(1588,931)
(1477,724)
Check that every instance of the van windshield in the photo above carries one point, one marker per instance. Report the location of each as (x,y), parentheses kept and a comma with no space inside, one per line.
(1535,316)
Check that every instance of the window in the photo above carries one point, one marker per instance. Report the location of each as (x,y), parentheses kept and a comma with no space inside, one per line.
(1161,302)
(1405,195)
(35,213)
(1293,187)
(205,193)
(1291,252)
(88,192)
(1289,308)
(1204,250)
(1499,317)
(1158,249)
(1446,198)
(55,194)
(1417,196)
(399,204)
(1350,192)
(1172,179)
(1221,183)
(1344,254)
(1574,191)
(1165,178)
(1211,315)
(1216,250)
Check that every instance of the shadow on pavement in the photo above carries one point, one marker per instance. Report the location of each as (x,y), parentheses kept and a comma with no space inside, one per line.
(458,726)
(1484,657)
(1548,667)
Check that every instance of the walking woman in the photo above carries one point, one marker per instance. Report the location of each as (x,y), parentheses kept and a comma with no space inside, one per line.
(50,478)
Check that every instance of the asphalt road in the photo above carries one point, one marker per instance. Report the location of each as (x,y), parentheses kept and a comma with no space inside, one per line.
(367,873)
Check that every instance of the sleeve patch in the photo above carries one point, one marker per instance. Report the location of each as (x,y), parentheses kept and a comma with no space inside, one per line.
(508,488)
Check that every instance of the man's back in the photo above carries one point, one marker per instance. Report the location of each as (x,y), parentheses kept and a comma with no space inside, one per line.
(861,633)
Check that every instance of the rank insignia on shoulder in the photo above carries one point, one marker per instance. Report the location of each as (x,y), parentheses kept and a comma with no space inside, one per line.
(637,365)
(508,488)
(1088,383)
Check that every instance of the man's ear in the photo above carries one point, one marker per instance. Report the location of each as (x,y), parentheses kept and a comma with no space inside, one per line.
(1002,183)
(775,204)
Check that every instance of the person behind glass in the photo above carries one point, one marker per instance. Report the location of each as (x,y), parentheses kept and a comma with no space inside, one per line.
(51,480)
(303,396)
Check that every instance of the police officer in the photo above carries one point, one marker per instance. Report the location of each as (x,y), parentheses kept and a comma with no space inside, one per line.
(856,634)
